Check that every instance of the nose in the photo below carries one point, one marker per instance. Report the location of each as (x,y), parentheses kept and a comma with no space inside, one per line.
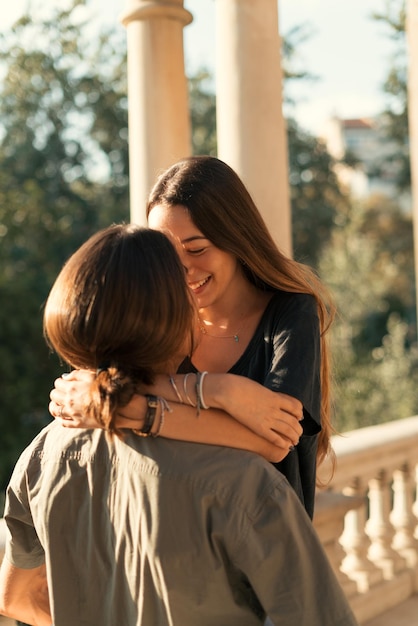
(185,261)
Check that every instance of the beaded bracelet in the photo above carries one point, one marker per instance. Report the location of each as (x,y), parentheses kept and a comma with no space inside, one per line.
(164,407)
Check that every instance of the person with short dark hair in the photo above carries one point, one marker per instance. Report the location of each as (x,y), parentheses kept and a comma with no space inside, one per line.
(113,526)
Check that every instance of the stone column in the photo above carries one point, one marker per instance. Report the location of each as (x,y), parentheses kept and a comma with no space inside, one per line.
(251,129)
(159,128)
(412,31)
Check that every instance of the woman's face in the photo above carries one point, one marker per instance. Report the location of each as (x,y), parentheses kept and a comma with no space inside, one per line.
(211,273)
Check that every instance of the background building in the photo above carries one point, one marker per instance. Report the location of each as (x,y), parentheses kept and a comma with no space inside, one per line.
(376,169)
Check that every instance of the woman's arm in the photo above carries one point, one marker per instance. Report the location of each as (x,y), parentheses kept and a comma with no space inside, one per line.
(71,395)
(273,416)
(211,427)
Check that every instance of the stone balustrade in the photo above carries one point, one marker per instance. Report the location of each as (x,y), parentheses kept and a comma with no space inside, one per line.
(371,505)
(367,516)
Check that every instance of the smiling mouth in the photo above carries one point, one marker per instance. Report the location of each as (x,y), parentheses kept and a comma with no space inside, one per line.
(195,286)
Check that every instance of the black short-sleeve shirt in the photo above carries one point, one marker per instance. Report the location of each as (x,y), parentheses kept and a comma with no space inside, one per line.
(284,355)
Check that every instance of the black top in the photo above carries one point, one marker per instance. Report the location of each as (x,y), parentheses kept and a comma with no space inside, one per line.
(284,355)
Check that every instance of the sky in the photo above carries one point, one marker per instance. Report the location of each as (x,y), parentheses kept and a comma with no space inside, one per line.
(347,51)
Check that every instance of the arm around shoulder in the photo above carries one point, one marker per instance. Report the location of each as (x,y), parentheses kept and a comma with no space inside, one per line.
(270,415)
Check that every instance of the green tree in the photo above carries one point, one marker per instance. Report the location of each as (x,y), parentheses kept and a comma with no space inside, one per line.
(368,265)
(63,175)
(316,195)
(202,104)
(395,115)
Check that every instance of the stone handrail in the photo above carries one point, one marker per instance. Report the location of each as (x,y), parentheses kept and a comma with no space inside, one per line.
(372,502)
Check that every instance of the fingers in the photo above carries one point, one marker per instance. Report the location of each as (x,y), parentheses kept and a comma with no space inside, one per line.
(57,412)
(291,405)
(55,396)
(76,375)
(287,427)
(64,384)
(283,443)
(69,392)
(61,404)
(53,408)
(284,433)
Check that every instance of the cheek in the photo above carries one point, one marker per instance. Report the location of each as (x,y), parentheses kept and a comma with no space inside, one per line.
(227,266)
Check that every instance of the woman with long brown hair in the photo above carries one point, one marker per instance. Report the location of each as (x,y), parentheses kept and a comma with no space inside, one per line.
(262,316)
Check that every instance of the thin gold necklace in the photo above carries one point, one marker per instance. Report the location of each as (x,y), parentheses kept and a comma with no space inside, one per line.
(204,331)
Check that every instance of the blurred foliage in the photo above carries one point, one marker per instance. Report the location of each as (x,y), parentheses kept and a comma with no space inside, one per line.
(315,192)
(369,266)
(202,104)
(63,175)
(395,87)
(294,70)
(365,254)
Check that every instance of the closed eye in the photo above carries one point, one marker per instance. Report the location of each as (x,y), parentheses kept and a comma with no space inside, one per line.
(196,251)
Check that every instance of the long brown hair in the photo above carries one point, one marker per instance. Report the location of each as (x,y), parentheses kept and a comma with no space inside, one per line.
(121,306)
(222,209)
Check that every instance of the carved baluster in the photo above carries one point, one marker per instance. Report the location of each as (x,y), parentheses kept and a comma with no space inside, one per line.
(402,516)
(330,511)
(356,542)
(379,528)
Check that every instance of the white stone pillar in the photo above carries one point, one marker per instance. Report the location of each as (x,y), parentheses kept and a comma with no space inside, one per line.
(159,127)
(251,129)
(412,34)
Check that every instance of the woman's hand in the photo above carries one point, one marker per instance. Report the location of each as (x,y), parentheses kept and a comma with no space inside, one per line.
(70,398)
(272,415)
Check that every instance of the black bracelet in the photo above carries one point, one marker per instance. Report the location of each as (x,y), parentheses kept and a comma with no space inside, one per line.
(152,405)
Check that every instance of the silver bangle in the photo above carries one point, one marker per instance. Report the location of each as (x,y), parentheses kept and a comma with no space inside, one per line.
(200,402)
(176,391)
(185,390)
(200,390)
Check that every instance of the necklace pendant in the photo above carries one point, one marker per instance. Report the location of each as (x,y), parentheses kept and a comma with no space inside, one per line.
(236,338)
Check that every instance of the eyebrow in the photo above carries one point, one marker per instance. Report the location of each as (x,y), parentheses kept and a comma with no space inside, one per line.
(189,239)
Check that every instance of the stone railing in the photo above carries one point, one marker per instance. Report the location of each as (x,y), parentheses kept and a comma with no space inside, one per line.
(367,517)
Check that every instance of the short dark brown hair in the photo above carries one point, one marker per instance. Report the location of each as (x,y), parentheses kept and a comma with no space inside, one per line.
(121,301)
